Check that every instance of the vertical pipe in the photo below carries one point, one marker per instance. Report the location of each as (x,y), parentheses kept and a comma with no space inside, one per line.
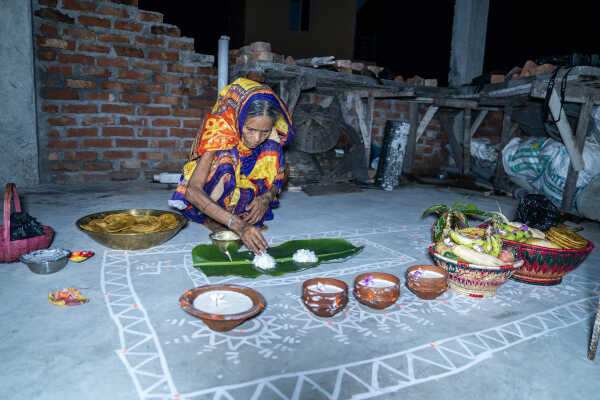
(223,61)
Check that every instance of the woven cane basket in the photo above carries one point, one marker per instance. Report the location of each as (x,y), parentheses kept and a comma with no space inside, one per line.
(11,250)
(475,280)
(545,266)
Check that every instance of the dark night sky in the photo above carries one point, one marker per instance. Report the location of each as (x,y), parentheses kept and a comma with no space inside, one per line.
(413,37)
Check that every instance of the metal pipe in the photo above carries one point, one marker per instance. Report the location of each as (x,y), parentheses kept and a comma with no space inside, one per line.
(223,61)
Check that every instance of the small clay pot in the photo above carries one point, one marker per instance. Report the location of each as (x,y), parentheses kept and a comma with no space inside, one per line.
(376,297)
(222,322)
(324,304)
(424,287)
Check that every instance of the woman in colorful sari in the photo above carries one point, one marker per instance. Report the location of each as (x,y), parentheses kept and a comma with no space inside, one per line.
(236,167)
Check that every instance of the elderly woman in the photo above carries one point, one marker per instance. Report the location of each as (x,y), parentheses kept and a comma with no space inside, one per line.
(236,166)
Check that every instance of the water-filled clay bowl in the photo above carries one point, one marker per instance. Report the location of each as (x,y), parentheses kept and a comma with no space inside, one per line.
(222,307)
(223,239)
(377,289)
(427,281)
(324,297)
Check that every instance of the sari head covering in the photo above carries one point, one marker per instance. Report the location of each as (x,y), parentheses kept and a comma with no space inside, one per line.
(247,173)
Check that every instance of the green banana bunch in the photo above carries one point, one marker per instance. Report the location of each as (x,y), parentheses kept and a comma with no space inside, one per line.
(464,240)
(496,242)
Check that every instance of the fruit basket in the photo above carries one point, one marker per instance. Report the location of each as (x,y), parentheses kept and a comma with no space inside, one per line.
(475,280)
(543,265)
(11,250)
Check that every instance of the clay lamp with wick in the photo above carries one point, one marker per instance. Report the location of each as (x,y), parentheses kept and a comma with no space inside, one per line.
(377,290)
(222,307)
(324,297)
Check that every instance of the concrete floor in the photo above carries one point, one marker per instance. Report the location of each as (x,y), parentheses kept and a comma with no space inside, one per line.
(132,341)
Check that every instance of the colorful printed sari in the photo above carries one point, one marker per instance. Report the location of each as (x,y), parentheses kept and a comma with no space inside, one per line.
(245,173)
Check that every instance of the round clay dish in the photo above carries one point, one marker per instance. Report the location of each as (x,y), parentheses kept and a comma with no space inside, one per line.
(222,322)
(377,297)
(424,287)
(324,304)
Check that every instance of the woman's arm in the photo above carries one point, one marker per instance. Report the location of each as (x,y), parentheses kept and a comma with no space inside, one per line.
(195,194)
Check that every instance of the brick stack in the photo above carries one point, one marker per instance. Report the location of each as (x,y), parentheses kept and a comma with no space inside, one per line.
(121,93)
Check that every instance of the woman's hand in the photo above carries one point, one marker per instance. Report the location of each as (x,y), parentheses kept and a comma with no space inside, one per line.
(257,208)
(253,239)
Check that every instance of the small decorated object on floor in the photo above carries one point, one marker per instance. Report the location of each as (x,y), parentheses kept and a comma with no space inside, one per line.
(79,256)
(67,297)
(46,261)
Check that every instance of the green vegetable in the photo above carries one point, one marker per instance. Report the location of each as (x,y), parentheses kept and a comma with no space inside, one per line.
(213,262)
(450,255)
(464,240)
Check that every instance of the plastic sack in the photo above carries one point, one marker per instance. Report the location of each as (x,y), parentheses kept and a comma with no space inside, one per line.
(537,211)
(544,164)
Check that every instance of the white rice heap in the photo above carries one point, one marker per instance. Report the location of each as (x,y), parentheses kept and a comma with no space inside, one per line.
(264,261)
(305,256)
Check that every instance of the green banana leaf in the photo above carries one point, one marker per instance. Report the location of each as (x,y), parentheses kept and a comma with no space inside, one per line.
(213,262)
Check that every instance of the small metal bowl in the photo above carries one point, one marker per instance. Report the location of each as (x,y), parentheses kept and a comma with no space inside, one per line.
(47,261)
(223,244)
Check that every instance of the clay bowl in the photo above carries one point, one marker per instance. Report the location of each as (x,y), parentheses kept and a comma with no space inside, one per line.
(222,322)
(376,297)
(131,241)
(324,304)
(426,288)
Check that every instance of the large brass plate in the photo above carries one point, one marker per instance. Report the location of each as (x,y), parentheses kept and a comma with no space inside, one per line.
(132,241)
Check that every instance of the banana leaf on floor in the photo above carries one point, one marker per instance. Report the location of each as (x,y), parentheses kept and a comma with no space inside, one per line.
(213,262)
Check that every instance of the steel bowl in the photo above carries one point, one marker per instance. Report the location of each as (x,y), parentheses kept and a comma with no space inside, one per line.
(38,263)
(132,241)
(223,244)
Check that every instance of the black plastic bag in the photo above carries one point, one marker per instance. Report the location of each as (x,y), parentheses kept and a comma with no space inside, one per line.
(537,211)
(24,226)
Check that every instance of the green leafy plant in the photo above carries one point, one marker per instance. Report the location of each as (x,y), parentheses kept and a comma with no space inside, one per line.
(210,260)
(452,217)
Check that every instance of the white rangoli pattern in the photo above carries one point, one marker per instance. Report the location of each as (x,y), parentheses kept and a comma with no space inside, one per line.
(286,326)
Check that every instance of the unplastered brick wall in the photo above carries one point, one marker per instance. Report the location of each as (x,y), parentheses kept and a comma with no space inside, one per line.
(431,153)
(120,93)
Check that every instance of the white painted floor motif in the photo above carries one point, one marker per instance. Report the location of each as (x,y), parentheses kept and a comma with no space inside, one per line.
(158,343)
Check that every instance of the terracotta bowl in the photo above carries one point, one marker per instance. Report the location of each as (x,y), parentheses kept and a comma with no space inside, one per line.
(376,297)
(324,304)
(426,288)
(222,322)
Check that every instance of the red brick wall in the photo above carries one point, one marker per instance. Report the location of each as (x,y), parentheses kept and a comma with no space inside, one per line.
(121,94)
(431,147)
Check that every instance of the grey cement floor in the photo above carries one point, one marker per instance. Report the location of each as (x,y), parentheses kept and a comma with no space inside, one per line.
(132,341)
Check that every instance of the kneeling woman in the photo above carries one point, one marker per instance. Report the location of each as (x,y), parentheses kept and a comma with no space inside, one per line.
(236,166)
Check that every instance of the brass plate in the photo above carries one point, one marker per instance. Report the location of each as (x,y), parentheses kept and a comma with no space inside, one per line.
(132,241)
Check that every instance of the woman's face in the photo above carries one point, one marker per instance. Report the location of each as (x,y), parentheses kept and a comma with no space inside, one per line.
(256,130)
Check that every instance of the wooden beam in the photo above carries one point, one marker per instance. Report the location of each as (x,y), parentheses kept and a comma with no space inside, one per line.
(361,113)
(478,120)
(371,108)
(506,134)
(573,175)
(566,133)
(411,145)
(466,142)
(431,110)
